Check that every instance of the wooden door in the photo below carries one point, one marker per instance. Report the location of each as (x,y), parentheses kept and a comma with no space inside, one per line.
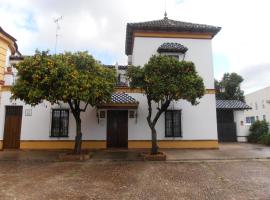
(117,128)
(12,130)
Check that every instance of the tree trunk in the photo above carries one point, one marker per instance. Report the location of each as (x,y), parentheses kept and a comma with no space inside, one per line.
(154,149)
(78,138)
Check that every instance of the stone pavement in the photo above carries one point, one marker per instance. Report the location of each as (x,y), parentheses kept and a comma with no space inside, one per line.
(227,151)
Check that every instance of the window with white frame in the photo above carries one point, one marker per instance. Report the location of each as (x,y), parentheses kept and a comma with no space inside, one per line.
(250,120)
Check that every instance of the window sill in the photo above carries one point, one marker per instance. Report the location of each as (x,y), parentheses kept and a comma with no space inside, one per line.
(59,136)
(173,136)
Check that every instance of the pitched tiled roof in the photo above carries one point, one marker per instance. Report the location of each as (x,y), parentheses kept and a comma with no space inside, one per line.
(231,104)
(167,25)
(7,35)
(172,47)
(122,98)
(10,37)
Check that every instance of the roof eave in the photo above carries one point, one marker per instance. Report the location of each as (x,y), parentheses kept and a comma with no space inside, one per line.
(131,29)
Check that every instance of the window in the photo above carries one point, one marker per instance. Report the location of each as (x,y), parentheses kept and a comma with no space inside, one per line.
(264,117)
(173,123)
(256,106)
(257,118)
(250,120)
(60,119)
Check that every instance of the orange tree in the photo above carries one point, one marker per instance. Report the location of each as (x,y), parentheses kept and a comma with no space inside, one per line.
(165,79)
(73,78)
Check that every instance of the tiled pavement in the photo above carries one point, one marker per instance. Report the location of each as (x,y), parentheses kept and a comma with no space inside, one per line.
(233,173)
(227,151)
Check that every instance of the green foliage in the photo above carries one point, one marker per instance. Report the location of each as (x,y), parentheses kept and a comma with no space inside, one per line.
(258,130)
(165,78)
(230,83)
(64,77)
(73,78)
(264,139)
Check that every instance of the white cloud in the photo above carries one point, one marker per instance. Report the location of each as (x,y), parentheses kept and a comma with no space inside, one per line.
(99,26)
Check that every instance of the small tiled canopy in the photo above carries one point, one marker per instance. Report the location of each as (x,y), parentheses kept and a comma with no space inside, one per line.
(120,100)
(172,47)
(231,105)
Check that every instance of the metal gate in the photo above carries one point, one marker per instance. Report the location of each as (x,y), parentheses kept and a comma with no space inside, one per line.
(227,132)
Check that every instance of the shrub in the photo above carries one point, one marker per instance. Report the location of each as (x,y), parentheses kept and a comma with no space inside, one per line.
(265,139)
(257,130)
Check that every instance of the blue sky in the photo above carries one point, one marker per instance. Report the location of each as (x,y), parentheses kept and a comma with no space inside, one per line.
(99,27)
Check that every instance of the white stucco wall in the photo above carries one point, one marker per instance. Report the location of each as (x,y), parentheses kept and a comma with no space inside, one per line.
(195,124)
(260,103)
(261,98)
(242,129)
(37,126)
(198,122)
(199,52)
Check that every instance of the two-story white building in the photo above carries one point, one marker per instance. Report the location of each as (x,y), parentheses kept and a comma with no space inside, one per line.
(122,122)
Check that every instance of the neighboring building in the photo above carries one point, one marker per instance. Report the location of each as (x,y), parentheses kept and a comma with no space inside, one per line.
(230,122)
(260,103)
(8,46)
(122,122)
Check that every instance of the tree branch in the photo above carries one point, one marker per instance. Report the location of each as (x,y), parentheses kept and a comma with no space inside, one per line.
(71,107)
(163,108)
(149,111)
(83,110)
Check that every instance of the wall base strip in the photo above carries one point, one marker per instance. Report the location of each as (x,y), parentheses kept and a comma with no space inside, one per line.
(132,144)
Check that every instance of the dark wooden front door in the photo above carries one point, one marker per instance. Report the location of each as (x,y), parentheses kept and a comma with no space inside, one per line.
(117,129)
(12,130)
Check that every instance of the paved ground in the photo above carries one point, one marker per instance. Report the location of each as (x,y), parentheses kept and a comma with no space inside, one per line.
(135,180)
(36,175)
(227,151)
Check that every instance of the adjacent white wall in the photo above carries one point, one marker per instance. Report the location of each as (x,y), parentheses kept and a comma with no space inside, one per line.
(260,103)
(242,129)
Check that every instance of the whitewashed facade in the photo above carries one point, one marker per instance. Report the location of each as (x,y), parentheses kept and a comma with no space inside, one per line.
(198,123)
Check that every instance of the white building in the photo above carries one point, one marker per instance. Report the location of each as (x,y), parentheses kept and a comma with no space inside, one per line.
(260,104)
(122,123)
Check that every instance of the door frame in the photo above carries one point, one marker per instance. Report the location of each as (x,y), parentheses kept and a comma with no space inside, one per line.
(107,128)
(20,114)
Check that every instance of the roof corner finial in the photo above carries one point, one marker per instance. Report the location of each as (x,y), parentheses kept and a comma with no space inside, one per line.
(165,15)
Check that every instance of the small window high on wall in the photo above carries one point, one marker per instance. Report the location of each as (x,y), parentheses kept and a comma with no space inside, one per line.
(173,123)
(60,121)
